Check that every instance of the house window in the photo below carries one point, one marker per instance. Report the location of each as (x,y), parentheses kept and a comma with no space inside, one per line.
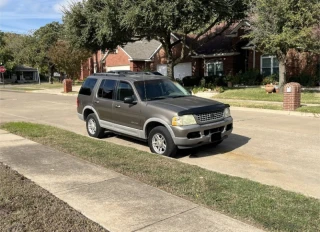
(215,68)
(269,65)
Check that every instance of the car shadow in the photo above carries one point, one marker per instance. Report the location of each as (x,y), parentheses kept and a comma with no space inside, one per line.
(233,142)
(109,134)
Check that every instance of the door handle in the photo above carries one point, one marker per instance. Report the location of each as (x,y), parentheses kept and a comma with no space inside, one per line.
(96,102)
(117,106)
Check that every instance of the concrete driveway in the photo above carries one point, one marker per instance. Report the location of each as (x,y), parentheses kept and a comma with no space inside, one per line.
(271,148)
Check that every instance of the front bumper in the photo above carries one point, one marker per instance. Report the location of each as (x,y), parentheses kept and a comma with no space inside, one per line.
(197,135)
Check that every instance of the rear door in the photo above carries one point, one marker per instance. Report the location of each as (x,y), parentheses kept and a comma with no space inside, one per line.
(128,115)
(104,98)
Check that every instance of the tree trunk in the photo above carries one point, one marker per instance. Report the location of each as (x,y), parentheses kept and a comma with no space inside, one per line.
(170,71)
(170,63)
(282,74)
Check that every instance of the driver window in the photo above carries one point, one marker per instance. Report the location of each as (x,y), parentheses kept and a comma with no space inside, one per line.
(124,90)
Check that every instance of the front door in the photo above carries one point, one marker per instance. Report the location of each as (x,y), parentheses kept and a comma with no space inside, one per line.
(128,116)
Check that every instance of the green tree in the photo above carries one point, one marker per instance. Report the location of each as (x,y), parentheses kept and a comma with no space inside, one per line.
(30,49)
(157,19)
(68,58)
(100,24)
(95,25)
(280,25)
(4,53)
(11,50)
(39,45)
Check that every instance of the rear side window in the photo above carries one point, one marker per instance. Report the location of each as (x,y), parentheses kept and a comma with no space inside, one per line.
(87,87)
(106,89)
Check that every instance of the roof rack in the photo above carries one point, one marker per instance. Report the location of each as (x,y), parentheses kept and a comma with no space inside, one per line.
(106,74)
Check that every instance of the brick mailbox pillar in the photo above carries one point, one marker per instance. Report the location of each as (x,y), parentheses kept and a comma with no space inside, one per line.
(291,96)
(67,85)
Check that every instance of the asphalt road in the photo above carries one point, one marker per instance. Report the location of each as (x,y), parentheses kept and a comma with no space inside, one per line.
(274,149)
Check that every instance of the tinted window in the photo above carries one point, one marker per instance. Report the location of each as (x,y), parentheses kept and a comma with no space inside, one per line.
(124,90)
(87,86)
(106,89)
(159,88)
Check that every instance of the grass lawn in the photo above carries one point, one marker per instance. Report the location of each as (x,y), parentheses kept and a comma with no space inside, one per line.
(309,109)
(265,206)
(24,206)
(259,94)
(269,106)
(252,104)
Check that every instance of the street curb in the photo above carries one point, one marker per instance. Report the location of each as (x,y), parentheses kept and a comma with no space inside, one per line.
(282,112)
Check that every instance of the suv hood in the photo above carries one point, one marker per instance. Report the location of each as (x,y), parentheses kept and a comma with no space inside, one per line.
(188,105)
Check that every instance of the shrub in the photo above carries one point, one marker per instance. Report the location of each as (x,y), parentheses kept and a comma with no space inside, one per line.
(215,80)
(304,79)
(251,77)
(191,81)
(269,79)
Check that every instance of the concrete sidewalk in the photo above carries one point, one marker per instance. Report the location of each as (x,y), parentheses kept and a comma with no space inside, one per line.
(116,202)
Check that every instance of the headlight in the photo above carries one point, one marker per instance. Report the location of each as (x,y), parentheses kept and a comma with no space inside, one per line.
(183,120)
(226,112)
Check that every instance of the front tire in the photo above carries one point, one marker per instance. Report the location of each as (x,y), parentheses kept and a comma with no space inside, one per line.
(161,142)
(93,127)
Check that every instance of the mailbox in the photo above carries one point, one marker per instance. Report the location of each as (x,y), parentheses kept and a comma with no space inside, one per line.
(67,85)
(291,96)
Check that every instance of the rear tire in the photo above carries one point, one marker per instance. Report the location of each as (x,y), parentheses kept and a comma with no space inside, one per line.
(161,142)
(93,127)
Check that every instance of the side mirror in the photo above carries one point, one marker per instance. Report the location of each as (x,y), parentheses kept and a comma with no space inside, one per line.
(129,100)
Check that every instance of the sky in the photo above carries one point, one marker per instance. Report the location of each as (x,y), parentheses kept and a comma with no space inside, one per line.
(24,16)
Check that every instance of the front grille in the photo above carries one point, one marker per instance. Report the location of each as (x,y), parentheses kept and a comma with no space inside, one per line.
(209,117)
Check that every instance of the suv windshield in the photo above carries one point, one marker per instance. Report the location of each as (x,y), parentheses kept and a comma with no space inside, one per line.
(159,89)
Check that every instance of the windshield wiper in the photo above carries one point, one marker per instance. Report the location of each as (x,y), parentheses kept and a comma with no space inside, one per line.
(157,98)
(178,96)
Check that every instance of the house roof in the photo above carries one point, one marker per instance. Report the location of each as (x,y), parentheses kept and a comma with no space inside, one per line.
(142,49)
(24,68)
(221,45)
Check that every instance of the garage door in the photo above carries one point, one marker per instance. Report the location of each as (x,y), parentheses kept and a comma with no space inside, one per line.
(182,70)
(163,69)
(113,68)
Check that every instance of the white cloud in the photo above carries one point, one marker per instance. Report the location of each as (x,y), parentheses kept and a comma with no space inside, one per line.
(63,4)
(3,3)
(30,9)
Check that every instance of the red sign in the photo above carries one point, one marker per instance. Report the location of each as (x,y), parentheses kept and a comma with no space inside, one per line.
(2,69)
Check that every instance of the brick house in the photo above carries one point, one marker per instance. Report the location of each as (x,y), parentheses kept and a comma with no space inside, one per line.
(135,56)
(230,53)
(225,54)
